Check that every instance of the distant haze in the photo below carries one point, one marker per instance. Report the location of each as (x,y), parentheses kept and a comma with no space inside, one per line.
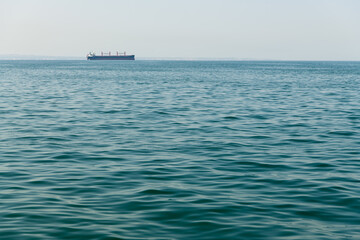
(239,29)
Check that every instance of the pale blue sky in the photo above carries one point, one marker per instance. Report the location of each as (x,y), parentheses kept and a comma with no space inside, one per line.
(254,29)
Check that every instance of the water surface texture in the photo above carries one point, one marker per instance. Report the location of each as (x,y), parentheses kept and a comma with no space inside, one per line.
(179,150)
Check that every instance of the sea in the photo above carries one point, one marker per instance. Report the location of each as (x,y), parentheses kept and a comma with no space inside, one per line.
(179,150)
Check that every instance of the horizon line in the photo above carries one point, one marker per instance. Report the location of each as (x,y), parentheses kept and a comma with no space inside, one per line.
(49,57)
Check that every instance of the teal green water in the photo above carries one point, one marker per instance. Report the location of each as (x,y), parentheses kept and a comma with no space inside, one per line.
(179,150)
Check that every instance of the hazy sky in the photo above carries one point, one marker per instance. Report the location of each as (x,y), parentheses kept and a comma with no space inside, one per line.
(254,29)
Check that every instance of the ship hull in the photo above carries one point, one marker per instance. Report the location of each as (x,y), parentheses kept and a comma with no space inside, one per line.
(127,57)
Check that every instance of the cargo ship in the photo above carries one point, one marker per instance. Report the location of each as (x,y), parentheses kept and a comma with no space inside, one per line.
(108,56)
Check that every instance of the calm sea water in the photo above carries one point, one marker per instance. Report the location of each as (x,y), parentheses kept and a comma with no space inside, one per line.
(179,150)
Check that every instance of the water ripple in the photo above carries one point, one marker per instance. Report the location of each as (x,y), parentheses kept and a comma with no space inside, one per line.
(179,150)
